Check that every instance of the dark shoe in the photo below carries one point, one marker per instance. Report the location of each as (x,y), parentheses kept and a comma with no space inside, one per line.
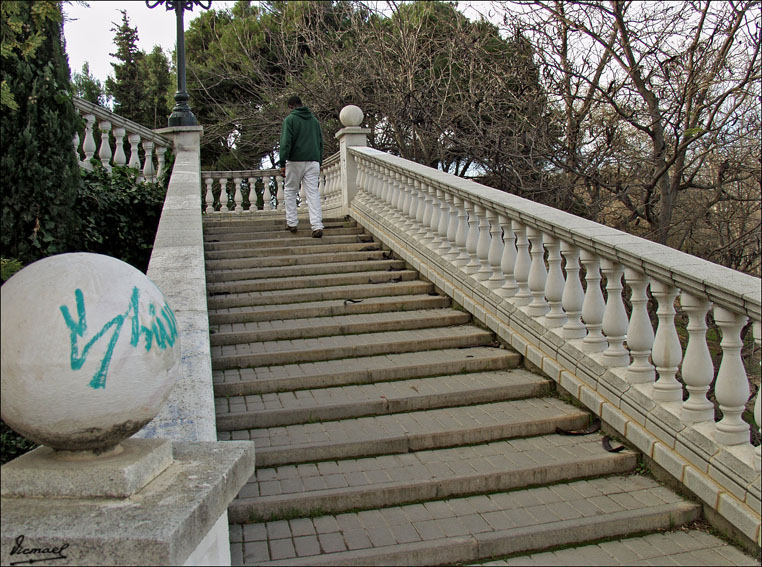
(290,228)
(317,233)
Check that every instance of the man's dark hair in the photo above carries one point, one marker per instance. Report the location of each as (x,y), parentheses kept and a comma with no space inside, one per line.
(294,101)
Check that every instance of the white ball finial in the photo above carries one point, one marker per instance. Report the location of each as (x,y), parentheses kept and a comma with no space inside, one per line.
(351,115)
(90,351)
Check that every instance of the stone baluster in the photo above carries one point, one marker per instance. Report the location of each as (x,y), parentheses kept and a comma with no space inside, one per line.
(732,386)
(593,305)
(224,193)
(322,192)
(640,333)
(279,191)
(237,197)
(420,211)
(452,228)
(538,274)
(134,140)
(697,370)
(267,195)
(574,295)
(495,253)
(408,219)
(253,193)
(396,193)
(667,352)
(119,157)
(554,285)
(160,151)
(432,240)
(482,244)
(209,198)
(473,239)
(104,152)
(614,316)
(386,189)
(758,404)
(148,169)
(461,237)
(522,266)
(88,146)
(428,209)
(444,221)
(508,259)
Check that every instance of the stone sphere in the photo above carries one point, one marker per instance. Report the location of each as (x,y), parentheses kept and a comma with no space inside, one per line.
(90,351)
(351,115)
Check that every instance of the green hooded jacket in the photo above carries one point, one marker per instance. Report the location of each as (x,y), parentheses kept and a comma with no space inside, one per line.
(301,138)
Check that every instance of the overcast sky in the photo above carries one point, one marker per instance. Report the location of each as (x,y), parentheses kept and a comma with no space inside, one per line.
(89,36)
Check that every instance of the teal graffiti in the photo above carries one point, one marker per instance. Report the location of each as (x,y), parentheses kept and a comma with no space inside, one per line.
(162,332)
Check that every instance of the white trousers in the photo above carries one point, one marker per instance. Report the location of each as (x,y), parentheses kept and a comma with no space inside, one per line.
(303,173)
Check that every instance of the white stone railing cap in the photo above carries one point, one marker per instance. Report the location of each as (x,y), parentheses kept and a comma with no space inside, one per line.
(121,122)
(728,288)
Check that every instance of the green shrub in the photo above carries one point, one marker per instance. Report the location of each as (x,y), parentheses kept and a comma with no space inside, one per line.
(119,214)
(8,267)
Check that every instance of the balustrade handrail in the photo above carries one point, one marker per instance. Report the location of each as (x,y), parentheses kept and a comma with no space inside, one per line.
(726,287)
(86,107)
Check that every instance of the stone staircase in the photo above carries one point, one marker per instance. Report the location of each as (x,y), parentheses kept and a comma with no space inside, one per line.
(389,428)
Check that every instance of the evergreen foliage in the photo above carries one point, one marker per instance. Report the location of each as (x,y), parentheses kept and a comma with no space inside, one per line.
(87,87)
(39,168)
(141,85)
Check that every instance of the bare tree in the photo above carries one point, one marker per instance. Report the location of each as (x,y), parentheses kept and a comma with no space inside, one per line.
(659,103)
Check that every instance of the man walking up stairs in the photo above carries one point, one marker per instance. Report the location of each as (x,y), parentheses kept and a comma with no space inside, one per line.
(392,430)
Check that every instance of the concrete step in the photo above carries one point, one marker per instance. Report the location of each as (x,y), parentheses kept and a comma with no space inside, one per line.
(277,234)
(356,237)
(337,347)
(391,480)
(231,319)
(467,529)
(323,325)
(251,225)
(318,280)
(293,259)
(407,432)
(251,258)
(303,296)
(304,270)
(677,547)
(361,370)
(344,402)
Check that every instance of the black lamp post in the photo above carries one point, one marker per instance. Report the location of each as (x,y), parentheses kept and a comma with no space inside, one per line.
(181,113)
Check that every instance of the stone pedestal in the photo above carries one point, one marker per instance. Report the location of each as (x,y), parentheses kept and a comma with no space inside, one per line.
(167,521)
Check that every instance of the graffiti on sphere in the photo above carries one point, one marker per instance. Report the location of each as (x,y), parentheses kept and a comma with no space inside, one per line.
(162,332)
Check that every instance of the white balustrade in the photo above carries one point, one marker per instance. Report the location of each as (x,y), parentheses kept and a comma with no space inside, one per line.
(667,352)
(237,197)
(573,296)
(554,285)
(121,128)
(697,369)
(119,157)
(594,305)
(640,332)
(508,259)
(732,386)
(614,316)
(482,245)
(495,253)
(538,274)
(522,265)
(502,243)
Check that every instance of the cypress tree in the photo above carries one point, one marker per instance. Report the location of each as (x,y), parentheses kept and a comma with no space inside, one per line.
(39,167)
